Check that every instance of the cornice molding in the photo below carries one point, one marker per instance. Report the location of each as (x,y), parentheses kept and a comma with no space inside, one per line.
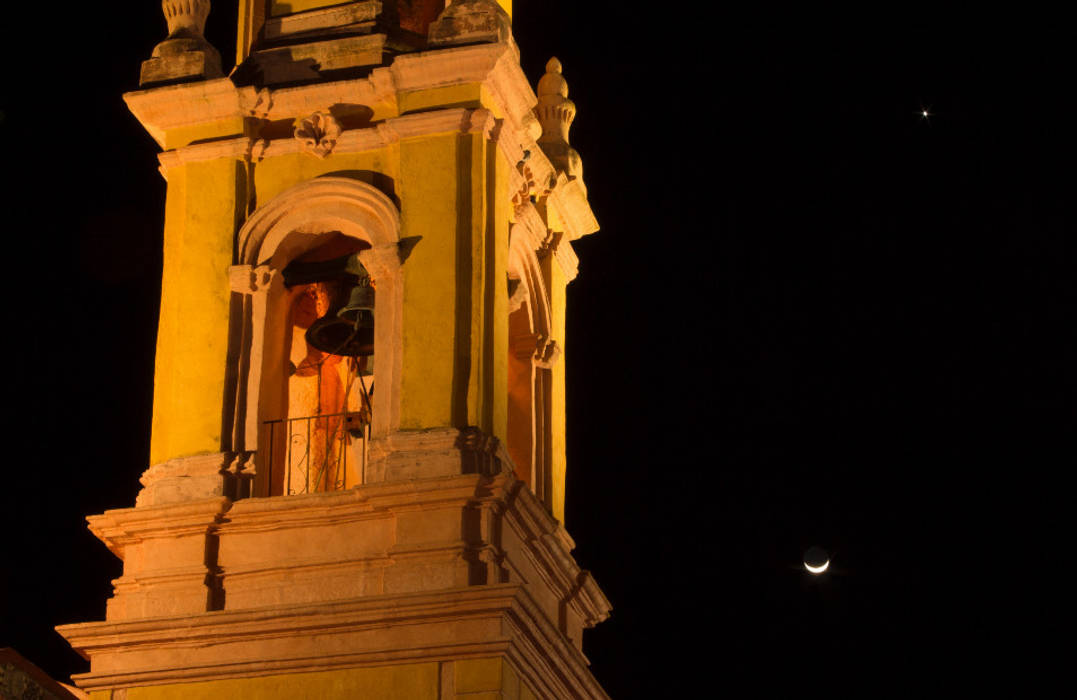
(121,528)
(310,638)
(569,199)
(189,104)
(511,123)
(394,130)
(551,547)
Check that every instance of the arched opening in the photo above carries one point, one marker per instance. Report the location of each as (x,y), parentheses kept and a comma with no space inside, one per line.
(521,379)
(531,352)
(305,412)
(318,442)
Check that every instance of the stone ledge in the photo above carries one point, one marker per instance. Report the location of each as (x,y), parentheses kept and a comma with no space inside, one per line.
(494,620)
(184,479)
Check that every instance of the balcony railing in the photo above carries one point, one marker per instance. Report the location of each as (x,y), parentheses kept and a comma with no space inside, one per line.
(315,453)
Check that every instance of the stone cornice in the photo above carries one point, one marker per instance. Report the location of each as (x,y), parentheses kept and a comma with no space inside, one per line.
(551,549)
(205,102)
(189,104)
(495,66)
(335,507)
(417,627)
(443,121)
(122,527)
(569,199)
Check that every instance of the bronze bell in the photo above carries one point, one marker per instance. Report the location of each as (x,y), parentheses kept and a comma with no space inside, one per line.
(348,327)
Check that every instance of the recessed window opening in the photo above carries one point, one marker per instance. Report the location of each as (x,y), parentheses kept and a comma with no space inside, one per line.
(320,443)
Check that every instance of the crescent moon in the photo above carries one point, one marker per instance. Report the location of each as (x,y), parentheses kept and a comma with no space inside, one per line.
(817,569)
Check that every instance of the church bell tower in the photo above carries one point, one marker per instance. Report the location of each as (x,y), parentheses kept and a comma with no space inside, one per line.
(358,441)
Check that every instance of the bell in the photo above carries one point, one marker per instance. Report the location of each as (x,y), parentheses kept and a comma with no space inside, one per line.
(348,327)
(360,302)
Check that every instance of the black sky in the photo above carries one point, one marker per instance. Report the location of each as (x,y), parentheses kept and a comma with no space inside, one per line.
(811,317)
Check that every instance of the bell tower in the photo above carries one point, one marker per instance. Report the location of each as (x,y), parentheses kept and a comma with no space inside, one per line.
(357,468)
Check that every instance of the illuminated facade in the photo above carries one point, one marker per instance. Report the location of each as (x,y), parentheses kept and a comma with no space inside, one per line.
(358,456)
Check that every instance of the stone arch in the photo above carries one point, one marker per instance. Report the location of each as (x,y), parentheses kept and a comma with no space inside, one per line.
(292,223)
(531,353)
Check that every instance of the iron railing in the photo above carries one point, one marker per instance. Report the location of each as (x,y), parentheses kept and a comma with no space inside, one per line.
(315,453)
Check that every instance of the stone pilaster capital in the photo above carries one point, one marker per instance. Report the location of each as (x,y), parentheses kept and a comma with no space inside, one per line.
(543,351)
(250,279)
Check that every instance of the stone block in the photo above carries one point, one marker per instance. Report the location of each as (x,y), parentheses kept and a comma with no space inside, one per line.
(181,60)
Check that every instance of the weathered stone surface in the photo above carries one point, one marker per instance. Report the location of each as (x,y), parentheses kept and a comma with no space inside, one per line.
(181,61)
(185,55)
(356,17)
(23,680)
(400,571)
(306,62)
(471,22)
(183,479)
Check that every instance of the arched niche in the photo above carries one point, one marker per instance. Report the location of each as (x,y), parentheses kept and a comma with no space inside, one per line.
(337,212)
(531,353)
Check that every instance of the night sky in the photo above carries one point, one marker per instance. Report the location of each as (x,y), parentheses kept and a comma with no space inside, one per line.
(811,317)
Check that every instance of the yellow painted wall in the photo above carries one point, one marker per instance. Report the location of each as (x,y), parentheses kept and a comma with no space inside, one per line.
(273,176)
(477,400)
(487,679)
(200,223)
(436,198)
(556,283)
(498,290)
(453,190)
(452,365)
(183,136)
(470,95)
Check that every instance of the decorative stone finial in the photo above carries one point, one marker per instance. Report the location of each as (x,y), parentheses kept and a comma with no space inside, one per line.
(471,22)
(185,54)
(555,113)
(185,17)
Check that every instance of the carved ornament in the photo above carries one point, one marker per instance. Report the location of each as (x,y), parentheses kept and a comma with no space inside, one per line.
(556,112)
(318,133)
(184,54)
(247,279)
(522,197)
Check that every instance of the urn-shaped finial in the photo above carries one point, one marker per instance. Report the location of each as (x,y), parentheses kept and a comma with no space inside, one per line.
(185,54)
(555,110)
(555,113)
(185,17)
